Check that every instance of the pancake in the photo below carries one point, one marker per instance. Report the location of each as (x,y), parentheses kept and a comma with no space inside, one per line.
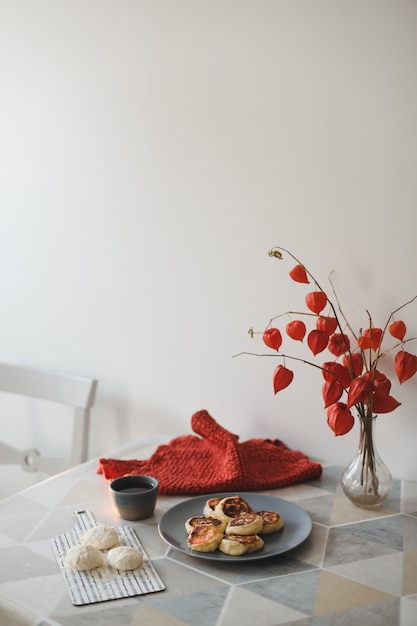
(205,538)
(229,508)
(210,506)
(203,520)
(272,522)
(245,524)
(236,545)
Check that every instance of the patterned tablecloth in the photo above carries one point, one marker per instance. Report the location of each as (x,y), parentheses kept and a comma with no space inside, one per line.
(356,567)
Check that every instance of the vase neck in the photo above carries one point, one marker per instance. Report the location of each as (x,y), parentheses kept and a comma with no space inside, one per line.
(367,418)
(367,432)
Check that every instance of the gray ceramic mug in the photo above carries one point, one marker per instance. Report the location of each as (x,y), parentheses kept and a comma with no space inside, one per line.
(134,497)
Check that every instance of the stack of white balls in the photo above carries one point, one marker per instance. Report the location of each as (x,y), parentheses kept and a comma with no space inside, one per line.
(89,555)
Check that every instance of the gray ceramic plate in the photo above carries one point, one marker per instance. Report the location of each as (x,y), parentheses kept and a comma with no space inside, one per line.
(297,526)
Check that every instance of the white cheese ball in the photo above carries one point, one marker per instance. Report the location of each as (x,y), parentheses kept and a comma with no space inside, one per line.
(84,558)
(124,558)
(101,537)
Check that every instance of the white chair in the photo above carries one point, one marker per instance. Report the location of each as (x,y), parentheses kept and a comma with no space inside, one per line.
(76,391)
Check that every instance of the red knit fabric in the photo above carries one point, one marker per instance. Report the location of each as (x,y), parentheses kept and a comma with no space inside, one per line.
(216,461)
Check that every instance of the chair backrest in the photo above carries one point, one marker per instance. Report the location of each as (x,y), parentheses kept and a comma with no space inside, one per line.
(76,391)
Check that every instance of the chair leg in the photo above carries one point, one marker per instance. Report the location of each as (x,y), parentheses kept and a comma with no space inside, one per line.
(80,436)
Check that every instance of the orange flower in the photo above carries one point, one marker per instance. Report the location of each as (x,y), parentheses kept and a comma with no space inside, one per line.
(380,400)
(398,330)
(299,274)
(339,343)
(317,341)
(335,371)
(383,403)
(282,378)
(405,365)
(332,392)
(359,391)
(316,301)
(371,338)
(339,418)
(272,338)
(354,363)
(296,330)
(327,324)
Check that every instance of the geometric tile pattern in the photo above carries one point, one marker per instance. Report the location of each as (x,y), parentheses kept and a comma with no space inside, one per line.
(356,567)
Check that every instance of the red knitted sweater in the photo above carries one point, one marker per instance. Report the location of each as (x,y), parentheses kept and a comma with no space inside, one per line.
(216,461)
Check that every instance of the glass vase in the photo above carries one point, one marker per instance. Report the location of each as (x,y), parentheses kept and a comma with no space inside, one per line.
(367,481)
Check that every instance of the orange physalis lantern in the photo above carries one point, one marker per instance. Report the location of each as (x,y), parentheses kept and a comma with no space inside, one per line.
(316,301)
(359,391)
(398,330)
(299,274)
(378,379)
(296,330)
(383,403)
(339,343)
(328,324)
(405,365)
(272,338)
(335,371)
(354,363)
(379,401)
(339,418)
(282,378)
(371,338)
(317,341)
(332,392)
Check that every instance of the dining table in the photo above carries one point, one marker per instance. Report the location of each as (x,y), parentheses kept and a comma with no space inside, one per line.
(331,563)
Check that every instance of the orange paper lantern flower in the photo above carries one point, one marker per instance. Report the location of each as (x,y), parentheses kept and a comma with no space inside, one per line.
(340,419)
(383,404)
(326,324)
(354,363)
(336,371)
(371,338)
(282,378)
(299,274)
(317,341)
(296,330)
(398,330)
(405,365)
(359,391)
(332,392)
(380,400)
(316,301)
(339,344)
(272,338)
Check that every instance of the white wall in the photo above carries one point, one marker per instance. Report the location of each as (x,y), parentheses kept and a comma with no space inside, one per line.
(151,154)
